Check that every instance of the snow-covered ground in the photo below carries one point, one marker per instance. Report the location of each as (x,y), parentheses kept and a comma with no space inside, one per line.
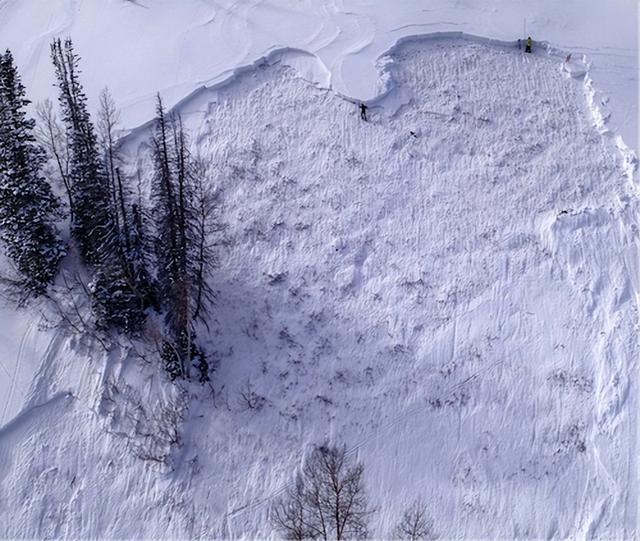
(144,46)
(450,289)
(141,47)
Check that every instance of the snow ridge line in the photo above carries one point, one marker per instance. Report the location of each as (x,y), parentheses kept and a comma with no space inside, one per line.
(24,415)
(271,58)
(322,79)
(278,55)
(629,160)
(628,163)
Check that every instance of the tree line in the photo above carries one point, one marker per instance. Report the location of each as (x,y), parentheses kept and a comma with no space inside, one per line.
(64,195)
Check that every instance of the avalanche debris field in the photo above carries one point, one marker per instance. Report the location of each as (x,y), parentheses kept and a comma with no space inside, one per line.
(450,289)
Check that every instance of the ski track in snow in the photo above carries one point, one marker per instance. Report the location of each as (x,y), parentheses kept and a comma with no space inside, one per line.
(457,306)
(17,363)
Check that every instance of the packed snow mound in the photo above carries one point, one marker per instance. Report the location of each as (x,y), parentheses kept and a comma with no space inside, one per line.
(449,288)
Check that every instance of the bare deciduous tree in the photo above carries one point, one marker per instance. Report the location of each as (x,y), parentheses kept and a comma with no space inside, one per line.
(55,140)
(249,399)
(415,523)
(327,500)
(108,119)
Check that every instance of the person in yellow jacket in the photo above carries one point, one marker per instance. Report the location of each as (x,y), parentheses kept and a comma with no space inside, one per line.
(527,49)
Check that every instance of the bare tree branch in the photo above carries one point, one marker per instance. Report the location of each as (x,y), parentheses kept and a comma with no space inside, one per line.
(327,501)
(415,523)
(55,140)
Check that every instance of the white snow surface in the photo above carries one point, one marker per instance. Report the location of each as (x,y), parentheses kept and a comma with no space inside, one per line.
(140,47)
(458,305)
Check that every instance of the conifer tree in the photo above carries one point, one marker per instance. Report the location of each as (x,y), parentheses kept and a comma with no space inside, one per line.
(139,256)
(182,208)
(131,243)
(93,227)
(98,203)
(28,207)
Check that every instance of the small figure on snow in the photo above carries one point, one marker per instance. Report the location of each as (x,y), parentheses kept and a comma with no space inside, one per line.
(527,48)
(568,59)
(363,112)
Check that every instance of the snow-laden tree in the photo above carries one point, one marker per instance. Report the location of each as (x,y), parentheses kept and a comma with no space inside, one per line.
(93,225)
(99,219)
(28,207)
(132,246)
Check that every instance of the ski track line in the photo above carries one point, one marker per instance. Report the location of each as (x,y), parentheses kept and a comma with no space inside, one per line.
(18,361)
(43,40)
(39,383)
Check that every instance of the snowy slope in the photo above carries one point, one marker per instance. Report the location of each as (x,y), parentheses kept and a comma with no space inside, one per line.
(139,48)
(144,46)
(458,305)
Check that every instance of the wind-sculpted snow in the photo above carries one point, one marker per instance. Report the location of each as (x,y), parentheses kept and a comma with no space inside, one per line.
(450,289)
(144,46)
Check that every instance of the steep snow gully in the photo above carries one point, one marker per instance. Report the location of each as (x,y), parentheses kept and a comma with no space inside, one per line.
(450,289)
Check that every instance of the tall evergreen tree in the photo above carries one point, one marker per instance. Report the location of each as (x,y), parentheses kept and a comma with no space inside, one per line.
(93,226)
(184,260)
(99,225)
(132,246)
(28,207)
(139,256)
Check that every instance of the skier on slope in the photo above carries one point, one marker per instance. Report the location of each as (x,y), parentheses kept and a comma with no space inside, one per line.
(527,49)
(363,112)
